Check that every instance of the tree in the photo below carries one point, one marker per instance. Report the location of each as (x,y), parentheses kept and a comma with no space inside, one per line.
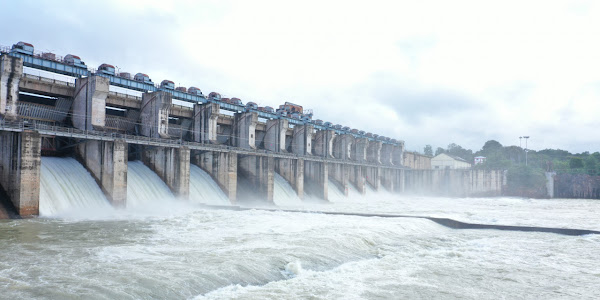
(439,151)
(491,146)
(428,150)
(590,164)
(457,150)
(576,163)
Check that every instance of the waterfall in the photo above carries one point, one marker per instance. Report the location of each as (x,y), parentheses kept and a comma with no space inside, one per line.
(145,188)
(203,189)
(66,186)
(283,193)
(333,192)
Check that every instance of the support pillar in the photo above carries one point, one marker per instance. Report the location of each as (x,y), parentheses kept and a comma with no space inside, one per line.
(359,149)
(245,130)
(107,162)
(257,177)
(89,105)
(222,167)
(373,178)
(20,170)
(386,154)
(155,114)
(357,178)
(172,165)
(316,179)
(205,122)
(302,139)
(324,143)
(342,145)
(398,154)
(374,152)
(293,171)
(11,70)
(275,135)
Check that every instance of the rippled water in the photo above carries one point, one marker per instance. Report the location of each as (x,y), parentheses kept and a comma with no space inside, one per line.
(196,253)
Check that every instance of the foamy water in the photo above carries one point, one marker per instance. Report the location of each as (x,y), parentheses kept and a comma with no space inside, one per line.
(216,254)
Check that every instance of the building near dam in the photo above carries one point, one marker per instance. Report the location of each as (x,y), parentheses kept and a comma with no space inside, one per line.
(106,119)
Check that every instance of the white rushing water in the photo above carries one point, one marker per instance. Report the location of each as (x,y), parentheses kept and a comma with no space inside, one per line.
(283,193)
(200,253)
(203,189)
(144,188)
(67,187)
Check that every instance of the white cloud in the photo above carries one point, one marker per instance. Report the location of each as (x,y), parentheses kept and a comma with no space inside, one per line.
(427,72)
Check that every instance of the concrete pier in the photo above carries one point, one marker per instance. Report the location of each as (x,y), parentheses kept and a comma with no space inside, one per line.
(340,175)
(342,146)
(245,130)
(359,150)
(173,167)
(256,178)
(20,167)
(89,106)
(107,162)
(302,139)
(11,70)
(374,152)
(222,167)
(324,143)
(205,122)
(275,135)
(373,177)
(293,172)
(316,177)
(358,179)
(155,114)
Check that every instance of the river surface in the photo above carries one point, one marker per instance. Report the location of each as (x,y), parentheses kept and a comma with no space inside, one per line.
(172,249)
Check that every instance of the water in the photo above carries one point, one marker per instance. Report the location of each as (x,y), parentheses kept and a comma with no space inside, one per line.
(199,253)
(145,188)
(66,187)
(283,193)
(203,189)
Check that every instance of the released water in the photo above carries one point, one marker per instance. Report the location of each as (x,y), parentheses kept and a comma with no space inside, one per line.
(67,187)
(218,254)
(203,189)
(284,194)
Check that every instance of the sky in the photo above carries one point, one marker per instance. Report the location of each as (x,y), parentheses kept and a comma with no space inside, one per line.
(425,72)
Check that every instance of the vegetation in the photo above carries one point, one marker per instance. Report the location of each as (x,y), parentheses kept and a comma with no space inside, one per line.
(526,179)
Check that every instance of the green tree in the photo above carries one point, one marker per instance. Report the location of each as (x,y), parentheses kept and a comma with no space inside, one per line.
(439,151)
(590,165)
(491,146)
(428,150)
(576,163)
(526,181)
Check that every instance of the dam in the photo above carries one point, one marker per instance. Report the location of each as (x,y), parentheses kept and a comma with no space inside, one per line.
(113,126)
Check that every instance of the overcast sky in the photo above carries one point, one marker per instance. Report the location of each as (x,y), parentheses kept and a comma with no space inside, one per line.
(426,72)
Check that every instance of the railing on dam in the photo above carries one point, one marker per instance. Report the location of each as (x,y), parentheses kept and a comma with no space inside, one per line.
(45,129)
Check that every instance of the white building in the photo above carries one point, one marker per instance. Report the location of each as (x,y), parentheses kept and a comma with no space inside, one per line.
(479,159)
(445,161)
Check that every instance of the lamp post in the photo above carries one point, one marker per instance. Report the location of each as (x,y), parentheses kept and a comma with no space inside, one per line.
(526,138)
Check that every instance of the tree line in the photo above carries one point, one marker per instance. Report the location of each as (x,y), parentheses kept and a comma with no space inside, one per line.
(524,179)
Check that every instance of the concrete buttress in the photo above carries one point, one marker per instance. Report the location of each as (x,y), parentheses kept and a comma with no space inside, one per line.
(374,152)
(275,135)
(256,177)
(293,171)
(316,178)
(20,168)
(107,162)
(11,70)
(246,130)
(205,122)
(222,167)
(89,105)
(342,145)
(324,143)
(302,139)
(155,114)
(359,150)
(386,154)
(172,165)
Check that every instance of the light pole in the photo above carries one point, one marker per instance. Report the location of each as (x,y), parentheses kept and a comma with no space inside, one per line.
(526,138)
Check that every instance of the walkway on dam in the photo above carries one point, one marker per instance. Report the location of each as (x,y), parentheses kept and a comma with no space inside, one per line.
(20,126)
